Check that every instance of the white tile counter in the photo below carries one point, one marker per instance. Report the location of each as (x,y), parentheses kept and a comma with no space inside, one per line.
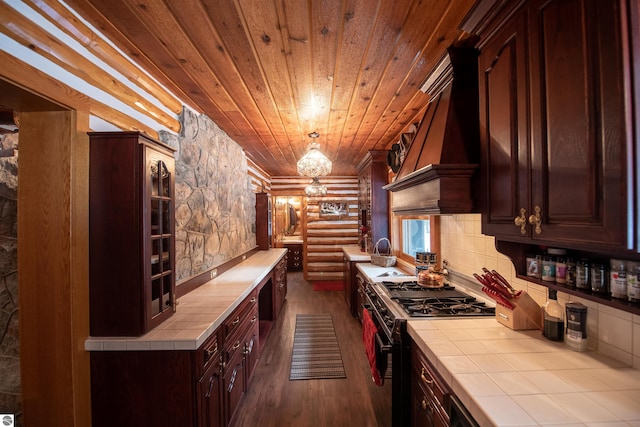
(353,253)
(518,378)
(199,312)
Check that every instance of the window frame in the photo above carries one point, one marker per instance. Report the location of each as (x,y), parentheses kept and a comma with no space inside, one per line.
(434,225)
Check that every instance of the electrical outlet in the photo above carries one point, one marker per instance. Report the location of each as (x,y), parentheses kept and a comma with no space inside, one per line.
(214,273)
(244,257)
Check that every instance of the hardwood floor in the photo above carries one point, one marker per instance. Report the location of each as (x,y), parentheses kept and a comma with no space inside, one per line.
(274,400)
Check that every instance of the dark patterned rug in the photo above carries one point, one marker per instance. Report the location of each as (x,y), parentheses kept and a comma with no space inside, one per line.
(316,354)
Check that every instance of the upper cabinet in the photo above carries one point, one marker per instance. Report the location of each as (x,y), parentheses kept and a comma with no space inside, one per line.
(373,200)
(263,221)
(555,119)
(131,233)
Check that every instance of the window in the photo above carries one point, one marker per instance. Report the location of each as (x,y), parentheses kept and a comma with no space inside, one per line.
(416,236)
(417,233)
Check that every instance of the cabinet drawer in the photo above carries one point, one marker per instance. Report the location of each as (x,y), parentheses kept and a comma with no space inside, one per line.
(428,379)
(208,352)
(426,411)
(232,323)
(235,341)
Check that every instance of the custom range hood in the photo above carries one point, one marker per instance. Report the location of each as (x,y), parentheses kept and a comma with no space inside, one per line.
(437,175)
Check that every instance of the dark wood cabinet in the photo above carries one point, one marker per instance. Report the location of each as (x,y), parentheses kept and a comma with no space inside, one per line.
(210,408)
(359,285)
(201,387)
(263,221)
(280,285)
(240,352)
(131,233)
(351,287)
(557,103)
(294,257)
(554,135)
(373,200)
(429,393)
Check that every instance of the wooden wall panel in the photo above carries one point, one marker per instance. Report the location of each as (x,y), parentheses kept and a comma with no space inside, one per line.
(323,238)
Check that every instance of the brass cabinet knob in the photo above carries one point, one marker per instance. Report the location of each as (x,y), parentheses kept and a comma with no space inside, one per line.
(521,221)
(536,219)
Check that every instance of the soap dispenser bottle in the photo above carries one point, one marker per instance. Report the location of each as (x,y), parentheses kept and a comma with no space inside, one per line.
(553,318)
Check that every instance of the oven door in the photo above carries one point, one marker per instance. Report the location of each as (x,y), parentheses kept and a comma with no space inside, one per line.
(393,348)
(379,350)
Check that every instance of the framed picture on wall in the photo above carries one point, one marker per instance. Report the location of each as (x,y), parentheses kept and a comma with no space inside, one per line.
(333,209)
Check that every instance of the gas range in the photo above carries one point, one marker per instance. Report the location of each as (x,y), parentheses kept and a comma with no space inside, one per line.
(447,301)
(391,298)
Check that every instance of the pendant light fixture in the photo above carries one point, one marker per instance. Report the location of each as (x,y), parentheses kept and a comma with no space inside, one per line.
(314,163)
(315,189)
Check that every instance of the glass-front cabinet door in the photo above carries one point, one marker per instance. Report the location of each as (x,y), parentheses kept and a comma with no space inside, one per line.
(161,237)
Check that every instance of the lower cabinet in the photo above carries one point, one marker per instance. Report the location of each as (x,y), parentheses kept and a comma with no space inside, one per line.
(294,256)
(233,383)
(429,393)
(351,286)
(242,334)
(280,284)
(179,388)
(210,384)
(359,285)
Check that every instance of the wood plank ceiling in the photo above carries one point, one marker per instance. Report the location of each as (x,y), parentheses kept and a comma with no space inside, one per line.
(269,72)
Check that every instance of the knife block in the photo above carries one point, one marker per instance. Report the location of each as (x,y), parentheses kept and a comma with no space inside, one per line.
(526,314)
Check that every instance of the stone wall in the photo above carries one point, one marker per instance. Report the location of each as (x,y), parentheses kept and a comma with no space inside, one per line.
(215,207)
(10,389)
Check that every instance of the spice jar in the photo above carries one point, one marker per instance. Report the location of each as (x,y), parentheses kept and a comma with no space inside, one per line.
(582,274)
(633,281)
(618,278)
(561,270)
(571,272)
(576,332)
(533,265)
(548,268)
(599,278)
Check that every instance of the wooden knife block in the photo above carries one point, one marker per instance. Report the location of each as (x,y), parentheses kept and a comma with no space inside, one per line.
(526,314)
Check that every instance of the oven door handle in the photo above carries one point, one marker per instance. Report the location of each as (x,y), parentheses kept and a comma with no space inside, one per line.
(384,348)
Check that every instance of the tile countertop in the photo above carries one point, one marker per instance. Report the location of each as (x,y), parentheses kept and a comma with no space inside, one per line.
(353,253)
(509,378)
(199,312)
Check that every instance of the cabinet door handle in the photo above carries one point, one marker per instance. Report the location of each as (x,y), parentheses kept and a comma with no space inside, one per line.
(521,221)
(208,394)
(236,346)
(253,320)
(252,300)
(236,321)
(536,219)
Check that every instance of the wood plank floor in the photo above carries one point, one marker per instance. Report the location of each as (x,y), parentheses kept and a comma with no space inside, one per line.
(274,400)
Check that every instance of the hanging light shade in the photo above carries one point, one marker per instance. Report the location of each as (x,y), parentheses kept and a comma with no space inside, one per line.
(314,163)
(315,189)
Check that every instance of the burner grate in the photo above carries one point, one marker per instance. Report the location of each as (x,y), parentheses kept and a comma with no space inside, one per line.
(418,301)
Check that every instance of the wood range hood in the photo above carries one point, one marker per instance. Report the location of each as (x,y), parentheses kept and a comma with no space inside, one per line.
(440,167)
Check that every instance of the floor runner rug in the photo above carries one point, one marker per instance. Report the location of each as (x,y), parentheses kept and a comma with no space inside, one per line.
(316,354)
(325,285)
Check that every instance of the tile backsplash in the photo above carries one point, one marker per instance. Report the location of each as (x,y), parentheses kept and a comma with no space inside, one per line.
(609,331)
